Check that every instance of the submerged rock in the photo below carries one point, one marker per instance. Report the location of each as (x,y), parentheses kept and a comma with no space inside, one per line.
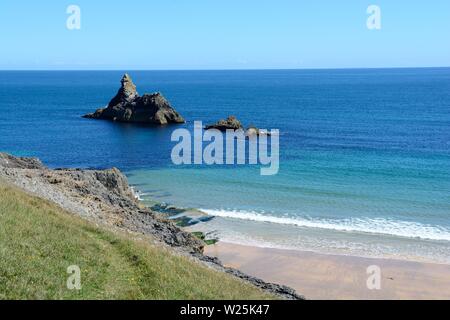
(129,106)
(229,123)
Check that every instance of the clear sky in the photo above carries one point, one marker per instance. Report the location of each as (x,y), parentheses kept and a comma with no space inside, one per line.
(223,34)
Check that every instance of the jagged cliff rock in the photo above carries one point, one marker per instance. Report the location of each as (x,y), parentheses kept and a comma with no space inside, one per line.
(9,161)
(103,196)
(129,106)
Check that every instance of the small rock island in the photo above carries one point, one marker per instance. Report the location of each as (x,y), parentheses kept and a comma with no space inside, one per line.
(232,123)
(129,106)
(224,124)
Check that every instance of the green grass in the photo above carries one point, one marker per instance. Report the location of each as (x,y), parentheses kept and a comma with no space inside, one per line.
(39,241)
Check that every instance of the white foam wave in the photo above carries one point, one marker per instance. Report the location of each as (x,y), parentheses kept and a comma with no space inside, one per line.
(364,225)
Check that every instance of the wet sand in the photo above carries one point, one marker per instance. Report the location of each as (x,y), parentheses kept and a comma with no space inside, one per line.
(321,276)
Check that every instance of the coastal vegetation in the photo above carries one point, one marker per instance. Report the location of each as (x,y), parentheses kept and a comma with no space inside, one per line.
(39,241)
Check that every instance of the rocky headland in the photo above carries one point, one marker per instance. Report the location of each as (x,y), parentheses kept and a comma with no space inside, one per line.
(105,198)
(128,106)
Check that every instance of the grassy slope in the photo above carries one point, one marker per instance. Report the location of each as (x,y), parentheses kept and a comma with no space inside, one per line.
(39,240)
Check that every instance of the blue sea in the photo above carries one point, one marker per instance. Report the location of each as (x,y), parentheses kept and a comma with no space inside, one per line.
(364,153)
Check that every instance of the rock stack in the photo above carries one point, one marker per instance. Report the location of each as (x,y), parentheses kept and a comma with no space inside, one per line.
(128,106)
(224,124)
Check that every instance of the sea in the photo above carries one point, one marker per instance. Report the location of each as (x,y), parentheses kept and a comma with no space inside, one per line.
(364,154)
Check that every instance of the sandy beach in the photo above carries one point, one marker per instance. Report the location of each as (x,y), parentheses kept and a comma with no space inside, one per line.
(320,276)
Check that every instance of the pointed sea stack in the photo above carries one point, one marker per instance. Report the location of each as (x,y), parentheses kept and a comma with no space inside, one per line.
(128,106)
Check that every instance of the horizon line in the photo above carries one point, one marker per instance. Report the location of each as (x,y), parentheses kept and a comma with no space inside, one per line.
(225,69)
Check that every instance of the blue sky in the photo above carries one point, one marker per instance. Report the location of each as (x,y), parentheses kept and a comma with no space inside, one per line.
(223,34)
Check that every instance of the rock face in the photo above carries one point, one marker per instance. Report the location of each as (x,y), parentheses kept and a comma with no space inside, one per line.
(128,106)
(102,196)
(9,161)
(229,123)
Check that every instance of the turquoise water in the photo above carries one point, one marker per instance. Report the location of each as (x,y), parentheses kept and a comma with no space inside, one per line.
(364,154)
